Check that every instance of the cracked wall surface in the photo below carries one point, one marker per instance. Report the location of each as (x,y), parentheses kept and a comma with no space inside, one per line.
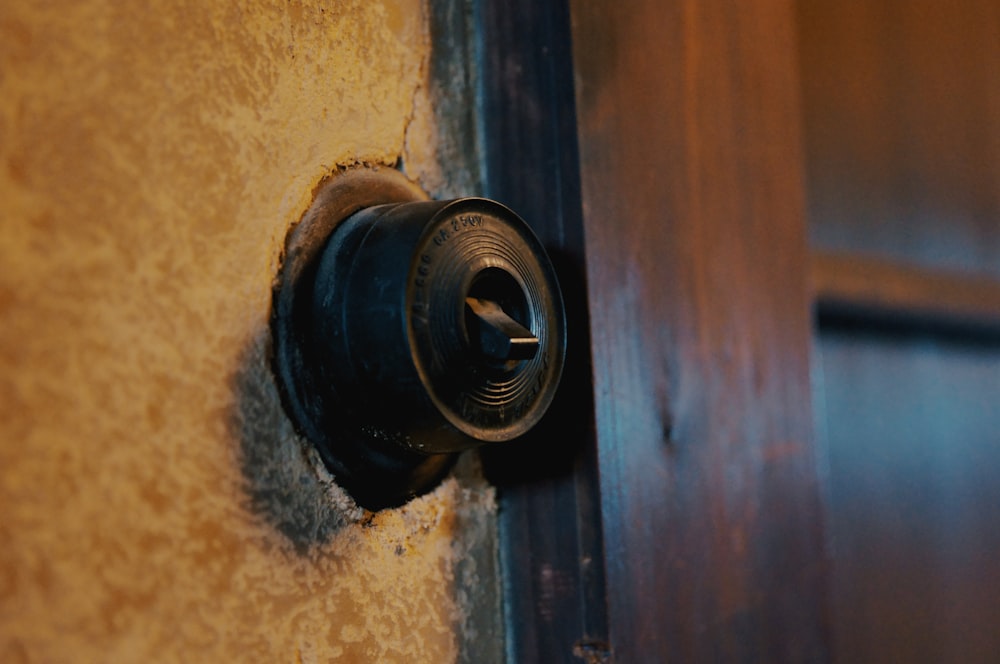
(152,160)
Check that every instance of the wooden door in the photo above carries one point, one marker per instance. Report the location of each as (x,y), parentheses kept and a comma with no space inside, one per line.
(755,484)
(659,145)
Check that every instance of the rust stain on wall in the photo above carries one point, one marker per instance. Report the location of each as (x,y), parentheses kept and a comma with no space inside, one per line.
(151,162)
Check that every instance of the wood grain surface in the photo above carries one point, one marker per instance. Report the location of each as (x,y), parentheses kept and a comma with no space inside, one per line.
(694,218)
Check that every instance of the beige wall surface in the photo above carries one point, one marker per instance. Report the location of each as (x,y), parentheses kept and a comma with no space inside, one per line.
(155,504)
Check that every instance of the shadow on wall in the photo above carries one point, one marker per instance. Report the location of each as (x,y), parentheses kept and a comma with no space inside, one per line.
(286,481)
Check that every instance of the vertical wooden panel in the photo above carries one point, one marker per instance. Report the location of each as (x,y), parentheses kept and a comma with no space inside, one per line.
(549,504)
(693,210)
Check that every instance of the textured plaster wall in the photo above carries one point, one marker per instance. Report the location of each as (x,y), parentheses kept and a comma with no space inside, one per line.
(154,503)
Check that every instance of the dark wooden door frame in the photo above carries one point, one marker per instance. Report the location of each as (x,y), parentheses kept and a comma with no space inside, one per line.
(655,148)
(550,523)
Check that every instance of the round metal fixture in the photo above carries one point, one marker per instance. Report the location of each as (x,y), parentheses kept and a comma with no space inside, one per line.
(407,330)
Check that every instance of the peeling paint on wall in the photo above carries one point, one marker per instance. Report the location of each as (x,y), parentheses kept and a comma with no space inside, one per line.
(151,163)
